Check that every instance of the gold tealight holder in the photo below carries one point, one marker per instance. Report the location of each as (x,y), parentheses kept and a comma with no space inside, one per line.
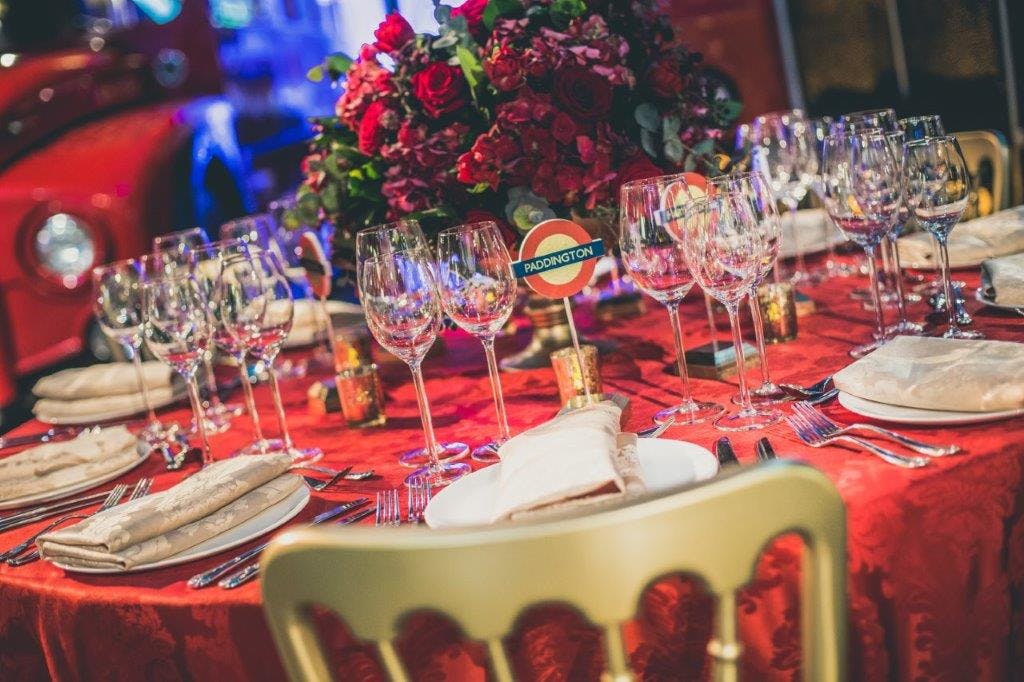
(352,346)
(361,395)
(777,302)
(570,378)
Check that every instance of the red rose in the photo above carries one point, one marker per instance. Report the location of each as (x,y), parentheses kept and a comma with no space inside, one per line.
(562,128)
(393,33)
(582,93)
(373,127)
(504,69)
(637,167)
(473,10)
(440,87)
(665,78)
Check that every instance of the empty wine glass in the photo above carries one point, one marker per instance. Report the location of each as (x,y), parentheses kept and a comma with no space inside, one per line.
(379,242)
(820,129)
(722,244)
(177,330)
(938,188)
(862,195)
(118,306)
(177,245)
(257,231)
(478,291)
(919,127)
(858,121)
(656,263)
(903,325)
(403,311)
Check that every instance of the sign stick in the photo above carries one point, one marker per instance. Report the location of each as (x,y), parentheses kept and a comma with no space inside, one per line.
(576,345)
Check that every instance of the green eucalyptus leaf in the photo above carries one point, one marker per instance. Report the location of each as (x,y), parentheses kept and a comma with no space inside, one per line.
(449,39)
(337,64)
(670,126)
(704,147)
(649,141)
(690,165)
(647,117)
(673,149)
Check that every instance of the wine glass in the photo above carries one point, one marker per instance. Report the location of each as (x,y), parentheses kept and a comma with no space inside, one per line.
(903,325)
(858,121)
(919,127)
(862,195)
(756,190)
(177,330)
(177,245)
(403,311)
(938,188)
(721,243)
(257,231)
(478,291)
(820,129)
(656,264)
(118,306)
(381,241)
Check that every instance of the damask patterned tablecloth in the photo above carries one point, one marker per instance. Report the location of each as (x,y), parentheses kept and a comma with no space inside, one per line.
(936,555)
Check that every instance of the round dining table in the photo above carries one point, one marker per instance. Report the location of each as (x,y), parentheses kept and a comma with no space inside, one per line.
(936,554)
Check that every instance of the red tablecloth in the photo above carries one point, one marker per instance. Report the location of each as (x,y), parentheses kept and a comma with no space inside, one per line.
(936,555)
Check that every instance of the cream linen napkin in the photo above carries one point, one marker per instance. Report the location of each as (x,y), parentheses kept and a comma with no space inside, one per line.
(57,465)
(102,380)
(939,374)
(970,243)
(1002,279)
(813,229)
(158,526)
(572,455)
(87,410)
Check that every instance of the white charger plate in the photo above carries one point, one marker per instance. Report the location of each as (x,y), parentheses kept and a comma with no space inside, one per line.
(267,520)
(914,415)
(664,463)
(69,490)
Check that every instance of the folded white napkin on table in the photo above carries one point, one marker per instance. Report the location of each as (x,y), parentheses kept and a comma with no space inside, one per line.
(1002,279)
(51,466)
(88,410)
(568,460)
(152,528)
(307,326)
(102,380)
(939,374)
(812,232)
(970,243)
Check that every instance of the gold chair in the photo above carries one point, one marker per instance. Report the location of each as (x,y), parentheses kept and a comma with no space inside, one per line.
(988,160)
(601,563)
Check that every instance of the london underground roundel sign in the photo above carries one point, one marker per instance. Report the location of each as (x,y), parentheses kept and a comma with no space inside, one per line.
(557,258)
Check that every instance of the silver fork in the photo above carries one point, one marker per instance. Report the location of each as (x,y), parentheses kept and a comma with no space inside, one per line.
(816,439)
(11,555)
(419,495)
(831,428)
(389,508)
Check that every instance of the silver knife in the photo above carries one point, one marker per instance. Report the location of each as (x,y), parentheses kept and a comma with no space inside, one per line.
(203,579)
(253,569)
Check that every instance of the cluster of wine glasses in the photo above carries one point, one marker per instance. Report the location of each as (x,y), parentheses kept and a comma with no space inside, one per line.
(188,297)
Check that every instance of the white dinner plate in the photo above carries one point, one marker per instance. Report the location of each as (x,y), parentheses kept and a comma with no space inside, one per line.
(914,415)
(69,490)
(664,463)
(979,294)
(174,396)
(267,520)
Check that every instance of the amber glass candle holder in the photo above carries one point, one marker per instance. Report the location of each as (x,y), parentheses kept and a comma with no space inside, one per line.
(570,377)
(352,346)
(361,395)
(778,308)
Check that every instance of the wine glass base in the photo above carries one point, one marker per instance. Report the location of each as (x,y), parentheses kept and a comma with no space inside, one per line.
(440,477)
(267,446)
(748,421)
(958,333)
(765,394)
(305,455)
(865,348)
(449,452)
(905,328)
(693,412)
(487,453)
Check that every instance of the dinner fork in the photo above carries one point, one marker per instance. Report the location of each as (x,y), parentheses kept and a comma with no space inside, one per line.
(419,496)
(831,428)
(10,556)
(389,508)
(816,439)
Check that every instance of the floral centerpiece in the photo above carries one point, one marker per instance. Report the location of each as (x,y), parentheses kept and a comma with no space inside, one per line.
(516,110)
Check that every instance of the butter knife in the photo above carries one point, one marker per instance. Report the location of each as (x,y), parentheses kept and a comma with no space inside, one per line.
(764,449)
(208,577)
(724,452)
(252,570)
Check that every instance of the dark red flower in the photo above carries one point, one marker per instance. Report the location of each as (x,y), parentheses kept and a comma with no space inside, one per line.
(504,69)
(582,93)
(473,10)
(372,128)
(440,87)
(562,128)
(637,167)
(665,78)
(538,142)
(393,33)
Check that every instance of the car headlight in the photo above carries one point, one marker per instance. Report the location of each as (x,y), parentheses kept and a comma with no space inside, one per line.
(65,249)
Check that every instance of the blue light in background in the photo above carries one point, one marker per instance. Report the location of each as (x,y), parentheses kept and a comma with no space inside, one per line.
(160,11)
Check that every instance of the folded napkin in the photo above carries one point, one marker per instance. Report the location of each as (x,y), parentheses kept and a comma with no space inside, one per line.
(102,380)
(86,410)
(939,374)
(971,242)
(208,503)
(570,458)
(1002,279)
(812,231)
(52,466)
(307,325)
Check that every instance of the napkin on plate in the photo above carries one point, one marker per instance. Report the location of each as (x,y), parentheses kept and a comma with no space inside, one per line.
(52,466)
(86,410)
(939,374)
(970,243)
(812,231)
(568,460)
(97,392)
(1002,279)
(208,503)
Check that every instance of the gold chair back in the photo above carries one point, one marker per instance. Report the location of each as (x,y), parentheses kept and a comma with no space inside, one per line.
(988,160)
(600,563)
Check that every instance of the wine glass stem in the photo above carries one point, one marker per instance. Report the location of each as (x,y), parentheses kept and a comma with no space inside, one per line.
(197,410)
(876,294)
(737,344)
(897,270)
(275,389)
(677,336)
(136,354)
(801,266)
(947,282)
(428,424)
(709,308)
(250,402)
(758,320)
(211,381)
(499,400)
